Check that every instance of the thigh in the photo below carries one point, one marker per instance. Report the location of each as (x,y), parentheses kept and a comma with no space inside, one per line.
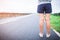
(47,17)
(41,15)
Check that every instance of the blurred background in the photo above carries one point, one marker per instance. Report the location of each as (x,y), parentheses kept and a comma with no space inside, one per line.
(13,8)
(16,21)
(26,6)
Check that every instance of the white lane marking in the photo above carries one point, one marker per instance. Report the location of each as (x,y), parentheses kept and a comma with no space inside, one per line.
(56,32)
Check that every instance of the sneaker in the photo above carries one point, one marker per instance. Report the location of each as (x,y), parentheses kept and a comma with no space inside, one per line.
(40,34)
(47,35)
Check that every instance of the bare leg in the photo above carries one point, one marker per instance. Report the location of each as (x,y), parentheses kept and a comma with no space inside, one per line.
(48,23)
(41,22)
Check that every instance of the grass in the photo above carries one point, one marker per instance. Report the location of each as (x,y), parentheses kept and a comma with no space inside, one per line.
(55,22)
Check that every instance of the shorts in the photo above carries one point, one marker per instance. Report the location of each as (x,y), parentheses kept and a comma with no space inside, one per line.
(44,8)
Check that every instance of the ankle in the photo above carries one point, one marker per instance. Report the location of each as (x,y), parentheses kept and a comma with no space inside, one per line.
(48,33)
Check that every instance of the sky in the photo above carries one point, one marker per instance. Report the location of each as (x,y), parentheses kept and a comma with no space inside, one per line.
(56,6)
(25,6)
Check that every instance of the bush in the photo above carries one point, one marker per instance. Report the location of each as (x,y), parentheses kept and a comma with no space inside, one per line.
(55,22)
(56,14)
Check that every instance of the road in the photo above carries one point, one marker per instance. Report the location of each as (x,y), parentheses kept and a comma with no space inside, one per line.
(24,29)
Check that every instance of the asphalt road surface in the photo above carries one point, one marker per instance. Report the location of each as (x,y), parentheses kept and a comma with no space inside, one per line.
(24,29)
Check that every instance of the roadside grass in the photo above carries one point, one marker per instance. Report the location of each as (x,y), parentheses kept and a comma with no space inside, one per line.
(55,22)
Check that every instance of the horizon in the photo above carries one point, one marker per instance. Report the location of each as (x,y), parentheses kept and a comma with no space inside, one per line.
(27,6)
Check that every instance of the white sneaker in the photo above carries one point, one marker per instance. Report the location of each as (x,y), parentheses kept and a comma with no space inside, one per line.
(40,34)
(47,35)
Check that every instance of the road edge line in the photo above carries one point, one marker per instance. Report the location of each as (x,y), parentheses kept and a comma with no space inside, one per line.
(56,32)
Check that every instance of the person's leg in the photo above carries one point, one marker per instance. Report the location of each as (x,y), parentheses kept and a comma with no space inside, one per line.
(41,15)
(41,22)
(48,23)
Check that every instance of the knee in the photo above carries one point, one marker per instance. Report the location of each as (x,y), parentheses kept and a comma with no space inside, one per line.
(41,19)
(47,19)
